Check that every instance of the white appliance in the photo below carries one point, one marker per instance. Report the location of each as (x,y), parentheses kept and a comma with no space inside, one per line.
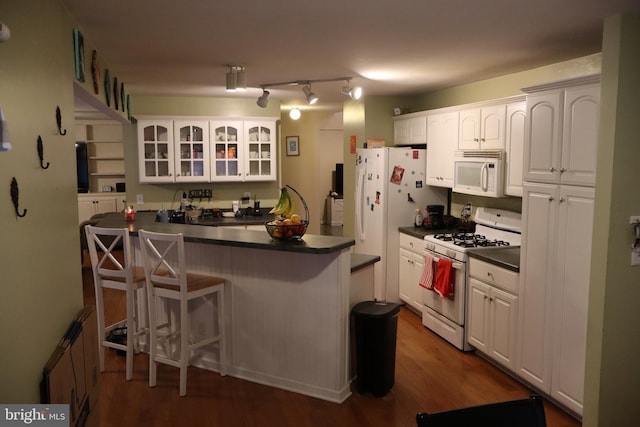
(390,186)
(446,316)
(480,173)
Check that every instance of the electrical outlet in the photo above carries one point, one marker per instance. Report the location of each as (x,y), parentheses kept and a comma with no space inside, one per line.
(140,199)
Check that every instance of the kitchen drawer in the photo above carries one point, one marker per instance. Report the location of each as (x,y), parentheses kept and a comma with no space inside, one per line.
(411,243)
(493,275)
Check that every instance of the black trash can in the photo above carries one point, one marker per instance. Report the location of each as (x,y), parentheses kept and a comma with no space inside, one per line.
(375,327)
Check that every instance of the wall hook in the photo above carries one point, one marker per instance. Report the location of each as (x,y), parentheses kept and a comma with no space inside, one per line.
(15,197)
(59,121)
(41,154)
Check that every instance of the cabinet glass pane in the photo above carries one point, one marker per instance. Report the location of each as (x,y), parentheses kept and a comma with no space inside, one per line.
(163,151)
(221,168)
(185,151)
(149,151)
(163,168)
(266,167)
(149,168)
(233,168)
(197,151)
(198,168)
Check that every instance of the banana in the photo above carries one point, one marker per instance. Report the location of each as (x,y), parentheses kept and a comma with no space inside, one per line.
(283,204)
(291,209)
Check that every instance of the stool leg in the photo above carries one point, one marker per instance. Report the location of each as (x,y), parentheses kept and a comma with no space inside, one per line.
(184,346)
(153,344)
(131,332)
(100,321)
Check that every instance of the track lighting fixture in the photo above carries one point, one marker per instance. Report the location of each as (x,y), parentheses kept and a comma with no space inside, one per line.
(295,113)
(263,100)
(353,92)
(312,98)
(236,78)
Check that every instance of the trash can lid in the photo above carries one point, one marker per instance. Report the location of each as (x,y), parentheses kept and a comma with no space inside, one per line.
(376,309)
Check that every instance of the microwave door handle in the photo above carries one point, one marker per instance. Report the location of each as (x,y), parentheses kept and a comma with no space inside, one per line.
(484,177)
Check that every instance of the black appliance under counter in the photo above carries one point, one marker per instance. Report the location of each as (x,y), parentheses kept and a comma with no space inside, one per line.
(506,257)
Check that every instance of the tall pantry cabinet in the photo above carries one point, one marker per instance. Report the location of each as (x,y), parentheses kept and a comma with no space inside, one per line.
(557,211)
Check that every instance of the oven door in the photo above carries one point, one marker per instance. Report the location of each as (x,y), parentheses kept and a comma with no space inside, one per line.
(452,307)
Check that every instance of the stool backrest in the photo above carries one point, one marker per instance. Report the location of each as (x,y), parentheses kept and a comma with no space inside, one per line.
(164,259)
(107,264)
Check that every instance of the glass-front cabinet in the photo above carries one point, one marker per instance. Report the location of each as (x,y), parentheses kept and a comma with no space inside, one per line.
(191,139)
(155,151)
(227,150)
(259,162)
(220,150)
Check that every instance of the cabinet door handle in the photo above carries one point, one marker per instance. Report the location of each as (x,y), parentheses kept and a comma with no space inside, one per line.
(562,199)
(562,170)
(490,275)
(551,198)
(552,169)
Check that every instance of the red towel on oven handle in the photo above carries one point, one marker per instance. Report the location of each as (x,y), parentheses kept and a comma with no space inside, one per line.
(444,283)
(426,281)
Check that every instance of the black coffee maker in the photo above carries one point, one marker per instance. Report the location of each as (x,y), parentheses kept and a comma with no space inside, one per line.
(435,216)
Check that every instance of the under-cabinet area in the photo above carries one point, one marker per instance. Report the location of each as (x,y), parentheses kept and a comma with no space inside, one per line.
(203,150)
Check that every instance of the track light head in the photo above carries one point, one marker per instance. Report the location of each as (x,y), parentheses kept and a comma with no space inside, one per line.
(312,98)
(241,79)
(353,92)
(231,81)
(263,100)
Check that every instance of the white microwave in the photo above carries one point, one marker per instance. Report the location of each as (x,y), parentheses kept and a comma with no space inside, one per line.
(480,173)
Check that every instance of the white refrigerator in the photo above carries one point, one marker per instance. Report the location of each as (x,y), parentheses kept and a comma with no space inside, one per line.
(390,186)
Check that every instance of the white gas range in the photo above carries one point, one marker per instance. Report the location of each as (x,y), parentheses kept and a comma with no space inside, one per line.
(446,316)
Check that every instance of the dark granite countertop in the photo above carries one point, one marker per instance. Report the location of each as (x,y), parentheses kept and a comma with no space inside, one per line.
(506,257)
(360,261)
(418,232)
(225,236)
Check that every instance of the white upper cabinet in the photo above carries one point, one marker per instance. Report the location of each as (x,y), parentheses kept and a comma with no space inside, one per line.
(410,129)
(580,135)
(442,142)
(227,144)
(514,145)
(155,151)
(184,150)
(260,151)
(561,135)
(191,139)
(482,128)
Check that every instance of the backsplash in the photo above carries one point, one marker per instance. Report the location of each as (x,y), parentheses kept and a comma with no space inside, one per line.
(459,200)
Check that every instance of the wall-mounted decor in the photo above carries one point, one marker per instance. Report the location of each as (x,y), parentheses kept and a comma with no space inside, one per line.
(95,72)
(5,145)
(128,107)
(122,97)
(116,95)
(40,147)
(78,49)
(107,88)
(293,146)
(59,122)
(15,198)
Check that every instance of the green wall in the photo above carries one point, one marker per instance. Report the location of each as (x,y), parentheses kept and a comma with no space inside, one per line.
(40,253)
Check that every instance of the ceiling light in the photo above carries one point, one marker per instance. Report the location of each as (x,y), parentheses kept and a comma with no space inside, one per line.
(312,98)
(263,100)
(294,113)
(353,92)
(231,81)
(241,80)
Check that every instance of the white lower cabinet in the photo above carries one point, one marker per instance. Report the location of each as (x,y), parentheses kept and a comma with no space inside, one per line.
(91,204)
(410,271)
(554,291)
(492,316)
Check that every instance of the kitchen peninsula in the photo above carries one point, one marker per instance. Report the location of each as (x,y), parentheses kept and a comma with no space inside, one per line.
(287,303)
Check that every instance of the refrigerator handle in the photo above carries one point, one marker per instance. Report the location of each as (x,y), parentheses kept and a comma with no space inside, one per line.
(359,204)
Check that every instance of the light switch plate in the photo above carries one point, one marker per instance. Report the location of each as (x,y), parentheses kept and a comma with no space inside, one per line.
(140,199)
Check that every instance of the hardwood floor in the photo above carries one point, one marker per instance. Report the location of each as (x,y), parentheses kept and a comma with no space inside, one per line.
(430,376)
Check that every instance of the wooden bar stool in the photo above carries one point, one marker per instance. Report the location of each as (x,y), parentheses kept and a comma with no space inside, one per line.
(113,268)
(167,279)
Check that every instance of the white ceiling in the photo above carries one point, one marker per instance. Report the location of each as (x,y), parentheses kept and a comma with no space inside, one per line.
(169,47)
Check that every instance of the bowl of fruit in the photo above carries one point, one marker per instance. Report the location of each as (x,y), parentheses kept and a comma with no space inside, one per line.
(288,225)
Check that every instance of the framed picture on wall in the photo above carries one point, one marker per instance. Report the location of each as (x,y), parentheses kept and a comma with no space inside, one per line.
(293,146)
